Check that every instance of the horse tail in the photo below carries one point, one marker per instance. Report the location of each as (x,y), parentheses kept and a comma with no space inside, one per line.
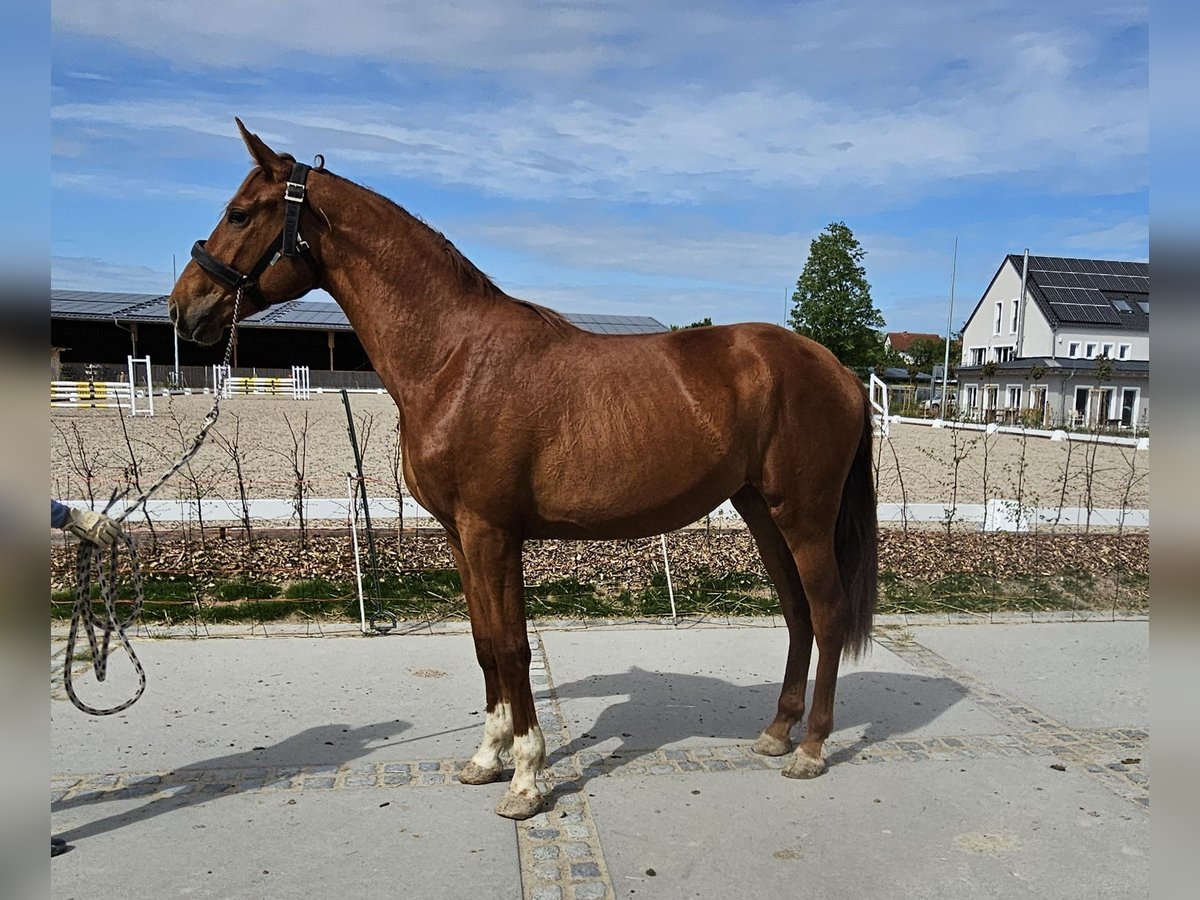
(857,542)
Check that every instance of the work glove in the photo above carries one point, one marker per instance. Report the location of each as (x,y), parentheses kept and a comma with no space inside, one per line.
(92,526)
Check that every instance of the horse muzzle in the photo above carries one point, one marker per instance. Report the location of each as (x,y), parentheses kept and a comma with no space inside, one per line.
(202,321)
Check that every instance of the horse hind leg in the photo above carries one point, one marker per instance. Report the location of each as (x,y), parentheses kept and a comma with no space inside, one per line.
(829,611)
(776,738)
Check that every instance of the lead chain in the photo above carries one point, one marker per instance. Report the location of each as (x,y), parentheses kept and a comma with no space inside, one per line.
(102,561)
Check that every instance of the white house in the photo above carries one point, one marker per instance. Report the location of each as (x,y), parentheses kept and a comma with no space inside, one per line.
(1072,350)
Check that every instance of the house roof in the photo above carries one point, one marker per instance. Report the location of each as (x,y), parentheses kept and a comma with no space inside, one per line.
(308,314)
(899,373)
(902,340)
(1059,364)
(1090,293)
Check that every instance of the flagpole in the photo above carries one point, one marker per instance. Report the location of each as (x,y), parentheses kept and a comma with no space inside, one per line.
(942,414)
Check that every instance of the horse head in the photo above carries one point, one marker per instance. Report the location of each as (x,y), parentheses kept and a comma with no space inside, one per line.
(256,256)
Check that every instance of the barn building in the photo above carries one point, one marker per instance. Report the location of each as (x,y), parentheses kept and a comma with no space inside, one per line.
(92,333)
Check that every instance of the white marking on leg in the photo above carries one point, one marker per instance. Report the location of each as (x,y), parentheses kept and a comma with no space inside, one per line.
(529,757)
(497,737)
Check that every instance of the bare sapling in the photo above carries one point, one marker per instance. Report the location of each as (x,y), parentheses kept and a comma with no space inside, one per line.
(900,481)
(200,478)
(297,457)
(1089,476)
(960,449)
(1064,485)
(132,473)
(1131,477)
(396,467)
(232,446)
(83,460)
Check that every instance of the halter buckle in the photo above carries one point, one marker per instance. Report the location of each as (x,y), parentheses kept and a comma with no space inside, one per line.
(294,192)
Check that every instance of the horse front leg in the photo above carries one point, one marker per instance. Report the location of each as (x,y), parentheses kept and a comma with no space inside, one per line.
(490,561)
(486,765)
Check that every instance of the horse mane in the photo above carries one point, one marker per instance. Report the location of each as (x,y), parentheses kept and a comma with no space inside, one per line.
(469,275)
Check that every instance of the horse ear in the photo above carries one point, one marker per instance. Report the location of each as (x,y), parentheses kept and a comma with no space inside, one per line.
(268,160)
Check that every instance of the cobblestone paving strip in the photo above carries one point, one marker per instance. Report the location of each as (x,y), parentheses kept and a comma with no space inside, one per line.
(560,853)
(1087,748)
(1111,756)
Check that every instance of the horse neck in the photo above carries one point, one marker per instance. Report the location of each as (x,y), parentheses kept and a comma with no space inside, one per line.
(405,294)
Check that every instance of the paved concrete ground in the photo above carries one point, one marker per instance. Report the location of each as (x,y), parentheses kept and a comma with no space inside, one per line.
(968,761)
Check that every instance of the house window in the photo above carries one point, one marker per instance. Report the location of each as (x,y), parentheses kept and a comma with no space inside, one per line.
(1090,350)
(1104,407)
(999,319)
(1129,405)
(1012,398)
(977,355)
(1004,354)
(1082,402)
(1016,308)
(990,394)
(1037,398)
(1123,351)
(1106,350)
(1073,349)
(972,396)
(1145,305)
(1122,306)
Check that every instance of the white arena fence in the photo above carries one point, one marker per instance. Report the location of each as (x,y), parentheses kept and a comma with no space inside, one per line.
(997,515)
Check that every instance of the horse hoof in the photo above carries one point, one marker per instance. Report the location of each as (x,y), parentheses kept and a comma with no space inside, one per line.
(767,745)
(518,806)
(476,774)
(803,766)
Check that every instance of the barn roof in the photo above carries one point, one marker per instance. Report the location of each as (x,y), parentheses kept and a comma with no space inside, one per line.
(307,314)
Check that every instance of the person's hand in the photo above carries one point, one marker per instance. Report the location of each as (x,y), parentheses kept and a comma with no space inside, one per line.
(92,526)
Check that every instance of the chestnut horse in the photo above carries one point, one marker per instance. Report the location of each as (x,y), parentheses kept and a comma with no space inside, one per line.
(517,425)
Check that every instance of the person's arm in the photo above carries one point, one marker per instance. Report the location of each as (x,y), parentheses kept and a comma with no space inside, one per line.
(60,513)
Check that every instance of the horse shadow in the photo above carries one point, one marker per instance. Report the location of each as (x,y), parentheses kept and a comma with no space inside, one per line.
(665,708)
(250,770)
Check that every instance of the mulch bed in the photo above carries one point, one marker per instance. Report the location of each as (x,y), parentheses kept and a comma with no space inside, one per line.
(914,555)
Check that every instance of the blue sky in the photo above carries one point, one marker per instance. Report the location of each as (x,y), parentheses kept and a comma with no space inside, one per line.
(667,159)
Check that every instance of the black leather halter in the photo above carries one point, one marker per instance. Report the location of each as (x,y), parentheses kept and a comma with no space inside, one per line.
(289,243)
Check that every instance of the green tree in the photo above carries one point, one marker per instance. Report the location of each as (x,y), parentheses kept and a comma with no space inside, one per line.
(703,323)
(832,301)
(926,354)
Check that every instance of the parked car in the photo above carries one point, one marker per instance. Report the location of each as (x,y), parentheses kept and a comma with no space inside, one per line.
(933,406)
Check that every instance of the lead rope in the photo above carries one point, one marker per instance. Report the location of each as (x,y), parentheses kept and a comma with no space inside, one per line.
(102,562)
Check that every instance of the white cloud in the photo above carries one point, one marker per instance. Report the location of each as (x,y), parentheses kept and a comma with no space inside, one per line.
(123,187)
(686,150)
(78,273)
(727,257)
(1125,240)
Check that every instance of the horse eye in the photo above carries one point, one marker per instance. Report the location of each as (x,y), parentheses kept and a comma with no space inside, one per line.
(238,217)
